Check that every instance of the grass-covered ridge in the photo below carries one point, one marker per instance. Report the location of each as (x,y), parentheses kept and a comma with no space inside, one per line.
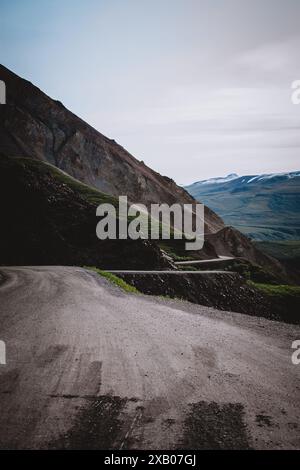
(21,165)
(281,290)
(114,279)
(88,193)
(283,298)
(91,195)
(49,218)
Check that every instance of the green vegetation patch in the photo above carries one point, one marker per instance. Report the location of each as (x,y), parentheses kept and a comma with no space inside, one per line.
(114,279)
(171,247)
(91,195)
(281,290)
(285,300)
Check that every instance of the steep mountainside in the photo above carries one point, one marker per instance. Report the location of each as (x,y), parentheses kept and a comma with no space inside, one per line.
(35,126)
(286,251)
(264,207)
(49,218)
(231,242)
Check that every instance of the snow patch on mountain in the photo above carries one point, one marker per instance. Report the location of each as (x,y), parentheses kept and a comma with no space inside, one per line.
(264,177)
(220,179)
(247,178)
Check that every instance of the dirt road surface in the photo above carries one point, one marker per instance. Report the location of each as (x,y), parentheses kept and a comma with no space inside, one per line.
(90,366)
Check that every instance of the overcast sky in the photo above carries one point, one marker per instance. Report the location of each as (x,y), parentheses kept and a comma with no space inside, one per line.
(195,88)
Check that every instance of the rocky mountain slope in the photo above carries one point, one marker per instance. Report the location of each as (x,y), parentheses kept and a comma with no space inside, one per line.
(35,126)
(264,207)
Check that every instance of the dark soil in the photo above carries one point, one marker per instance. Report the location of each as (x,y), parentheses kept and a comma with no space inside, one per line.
(214,426)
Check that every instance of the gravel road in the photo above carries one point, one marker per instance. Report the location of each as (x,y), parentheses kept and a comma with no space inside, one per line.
(90,366)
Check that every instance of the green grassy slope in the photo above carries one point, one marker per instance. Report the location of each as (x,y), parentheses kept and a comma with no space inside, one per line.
(48,217)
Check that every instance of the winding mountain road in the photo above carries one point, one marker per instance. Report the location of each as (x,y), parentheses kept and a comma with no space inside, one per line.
(90,366)
(220,259)
(173,271)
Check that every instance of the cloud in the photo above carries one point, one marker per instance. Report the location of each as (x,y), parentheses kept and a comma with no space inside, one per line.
(272,61)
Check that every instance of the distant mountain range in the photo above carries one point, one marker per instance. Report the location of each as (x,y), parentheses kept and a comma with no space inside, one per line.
(264,207)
